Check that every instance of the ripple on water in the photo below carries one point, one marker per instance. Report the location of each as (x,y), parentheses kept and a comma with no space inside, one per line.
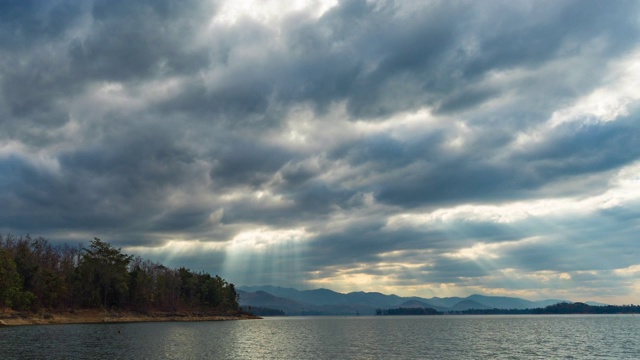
(426,337)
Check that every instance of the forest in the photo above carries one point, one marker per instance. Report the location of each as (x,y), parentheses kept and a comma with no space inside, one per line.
(559,308)
(262,311)
(35,275)
(408,311)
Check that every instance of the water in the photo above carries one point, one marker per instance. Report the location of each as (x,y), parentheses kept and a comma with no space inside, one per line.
(410,337)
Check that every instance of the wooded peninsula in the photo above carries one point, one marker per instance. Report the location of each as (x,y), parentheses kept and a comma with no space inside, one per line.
(42,283)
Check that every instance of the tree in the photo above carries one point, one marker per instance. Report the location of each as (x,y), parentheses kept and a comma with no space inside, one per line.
(103,270)
(188,286)
(141,283)
(231,297)
(11,293)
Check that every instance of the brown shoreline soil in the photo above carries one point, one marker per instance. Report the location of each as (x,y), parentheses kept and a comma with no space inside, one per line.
(97,316)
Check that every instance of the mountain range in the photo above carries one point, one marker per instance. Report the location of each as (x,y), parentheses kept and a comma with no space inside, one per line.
(328,302)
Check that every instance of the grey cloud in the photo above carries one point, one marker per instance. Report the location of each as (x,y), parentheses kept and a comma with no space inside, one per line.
(29,21)
(246,161)
(72,159)
(33,91)
(541,32)
(579,149)
(364,240)
(577,244)
(129,41)
(465,99)
(106,185)
(572,151)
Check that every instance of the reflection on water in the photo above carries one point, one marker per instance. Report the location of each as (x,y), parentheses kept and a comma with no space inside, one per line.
(436,337)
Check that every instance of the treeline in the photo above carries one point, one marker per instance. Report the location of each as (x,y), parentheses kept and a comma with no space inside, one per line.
(582,308)
(35,274)
(560,308)
(262,311)
(408,311)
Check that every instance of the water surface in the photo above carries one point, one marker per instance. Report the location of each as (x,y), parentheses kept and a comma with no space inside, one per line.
(382,337)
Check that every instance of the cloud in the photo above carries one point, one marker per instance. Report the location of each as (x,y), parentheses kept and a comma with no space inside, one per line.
(434,148)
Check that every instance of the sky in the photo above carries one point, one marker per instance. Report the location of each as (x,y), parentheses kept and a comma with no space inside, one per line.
(429,148)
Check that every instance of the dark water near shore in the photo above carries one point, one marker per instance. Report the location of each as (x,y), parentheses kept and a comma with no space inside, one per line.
(411,337)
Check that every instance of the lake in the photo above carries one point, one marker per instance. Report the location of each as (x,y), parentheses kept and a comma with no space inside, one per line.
(365,337)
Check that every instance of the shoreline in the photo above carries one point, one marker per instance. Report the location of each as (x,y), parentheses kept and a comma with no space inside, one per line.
(97,316)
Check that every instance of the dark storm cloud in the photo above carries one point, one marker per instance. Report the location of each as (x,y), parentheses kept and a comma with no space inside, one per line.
(151,121)
(465,99)
(33,89)
(540,32)
(247,161)
(570,151)
(133,40)
(359,52)
(577,150)
(29,21)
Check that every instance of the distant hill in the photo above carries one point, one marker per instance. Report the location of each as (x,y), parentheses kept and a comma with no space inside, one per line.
(414,304)
(411,304)
(502,302)
(373,299)
(291,307)
(323,297)
(313,297)
(273,290)
(329,302)
(443,302)
(264,299)
(590,303)
(469,304)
